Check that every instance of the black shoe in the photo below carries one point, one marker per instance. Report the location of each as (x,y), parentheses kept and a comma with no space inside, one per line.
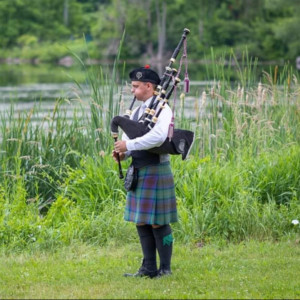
(142,272)
(164,272)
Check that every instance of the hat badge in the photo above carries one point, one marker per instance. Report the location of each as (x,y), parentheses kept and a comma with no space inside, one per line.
(139,75)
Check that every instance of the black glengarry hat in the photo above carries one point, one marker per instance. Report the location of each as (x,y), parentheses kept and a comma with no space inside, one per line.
(144,74)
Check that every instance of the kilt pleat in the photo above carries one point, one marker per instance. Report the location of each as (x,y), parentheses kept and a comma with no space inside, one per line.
(153,201)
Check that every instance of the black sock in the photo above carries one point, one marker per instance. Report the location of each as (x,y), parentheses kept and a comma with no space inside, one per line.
(164,245)
(147,241)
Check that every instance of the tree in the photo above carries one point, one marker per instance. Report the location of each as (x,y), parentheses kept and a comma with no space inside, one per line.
(269,28)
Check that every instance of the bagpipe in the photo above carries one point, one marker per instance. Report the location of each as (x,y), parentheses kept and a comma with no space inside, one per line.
(179,141)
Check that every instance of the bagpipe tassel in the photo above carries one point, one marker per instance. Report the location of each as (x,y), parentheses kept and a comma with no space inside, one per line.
(186,83)
(171,130)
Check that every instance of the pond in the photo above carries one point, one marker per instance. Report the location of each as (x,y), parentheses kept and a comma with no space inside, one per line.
(28,86)
(22,84)
(25,85)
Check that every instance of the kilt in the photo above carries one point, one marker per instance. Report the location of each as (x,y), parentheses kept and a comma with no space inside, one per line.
(153,201)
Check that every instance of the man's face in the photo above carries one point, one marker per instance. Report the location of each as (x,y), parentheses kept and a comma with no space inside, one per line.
(142,90)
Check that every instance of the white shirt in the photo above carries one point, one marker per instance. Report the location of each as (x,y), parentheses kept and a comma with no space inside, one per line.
(156,136)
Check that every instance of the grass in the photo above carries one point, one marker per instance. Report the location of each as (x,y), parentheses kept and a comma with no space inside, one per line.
(249,270)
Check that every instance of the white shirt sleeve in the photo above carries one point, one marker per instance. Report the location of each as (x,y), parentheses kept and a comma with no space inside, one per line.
(156,136)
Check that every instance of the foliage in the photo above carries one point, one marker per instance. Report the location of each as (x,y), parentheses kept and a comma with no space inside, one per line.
(269,29)
(43,20)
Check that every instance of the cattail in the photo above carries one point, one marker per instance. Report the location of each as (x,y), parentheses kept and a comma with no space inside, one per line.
(259,89)
(122,105)
(264,95)
(212,93)
(238,92)
(295,79)
(242,94)
(196,109)
(182,96)
(203,99)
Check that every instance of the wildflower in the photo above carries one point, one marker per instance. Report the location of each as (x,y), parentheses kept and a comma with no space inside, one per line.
(295,222)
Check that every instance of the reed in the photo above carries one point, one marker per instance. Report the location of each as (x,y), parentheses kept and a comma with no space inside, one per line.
(247,118)
(103,100)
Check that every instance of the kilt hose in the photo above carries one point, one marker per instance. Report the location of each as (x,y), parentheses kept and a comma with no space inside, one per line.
(153,201)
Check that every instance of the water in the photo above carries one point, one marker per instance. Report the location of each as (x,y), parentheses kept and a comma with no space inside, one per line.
(34,92)
(28,85)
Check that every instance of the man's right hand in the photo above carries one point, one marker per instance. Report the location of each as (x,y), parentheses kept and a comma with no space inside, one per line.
(115,155)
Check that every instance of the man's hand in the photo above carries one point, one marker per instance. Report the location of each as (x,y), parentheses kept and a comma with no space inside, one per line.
(120,146)
(115,154)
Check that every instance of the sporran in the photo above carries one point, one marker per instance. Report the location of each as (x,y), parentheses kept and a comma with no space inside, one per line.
(131,178)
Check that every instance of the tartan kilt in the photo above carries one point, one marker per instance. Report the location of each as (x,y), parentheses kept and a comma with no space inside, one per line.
(153,201)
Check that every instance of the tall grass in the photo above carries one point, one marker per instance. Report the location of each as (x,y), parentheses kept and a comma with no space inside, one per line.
(230,121)
(237,200)
(59,184)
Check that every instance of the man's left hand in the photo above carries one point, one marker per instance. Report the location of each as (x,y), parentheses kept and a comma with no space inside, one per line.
(120,146)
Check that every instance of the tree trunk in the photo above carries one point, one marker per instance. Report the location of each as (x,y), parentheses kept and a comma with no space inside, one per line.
(149,29)
(66,13)
(161,27)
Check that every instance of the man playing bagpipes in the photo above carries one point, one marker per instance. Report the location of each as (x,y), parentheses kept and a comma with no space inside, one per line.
(150,138)
(151,204)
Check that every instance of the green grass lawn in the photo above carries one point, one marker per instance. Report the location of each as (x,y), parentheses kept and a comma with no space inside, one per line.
(251,270)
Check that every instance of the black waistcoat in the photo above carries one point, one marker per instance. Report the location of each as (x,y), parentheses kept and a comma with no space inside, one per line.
(143,158)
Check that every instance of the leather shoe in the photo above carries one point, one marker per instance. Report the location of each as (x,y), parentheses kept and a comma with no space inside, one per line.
(164,272)
(142,272)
